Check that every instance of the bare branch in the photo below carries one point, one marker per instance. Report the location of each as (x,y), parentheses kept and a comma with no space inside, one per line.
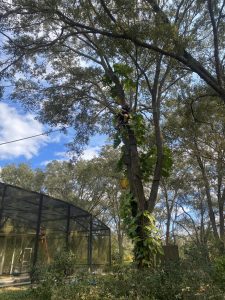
(216,43)
(107,11)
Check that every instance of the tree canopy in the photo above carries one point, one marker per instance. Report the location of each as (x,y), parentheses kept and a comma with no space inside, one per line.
(144,72)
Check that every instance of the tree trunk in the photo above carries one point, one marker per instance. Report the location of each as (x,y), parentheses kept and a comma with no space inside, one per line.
(120,246)
(159,163)
(168,228)
(133,168)
(202,227)
(169,212)
(207,191)
(158,138)
(138,205)
(221,221)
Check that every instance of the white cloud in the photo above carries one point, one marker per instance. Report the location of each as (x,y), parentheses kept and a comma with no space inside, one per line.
(45,163)
(60,156)
(13,126)
(90,153)
(63,155)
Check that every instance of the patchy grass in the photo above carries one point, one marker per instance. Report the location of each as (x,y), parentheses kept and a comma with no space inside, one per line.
(16,293)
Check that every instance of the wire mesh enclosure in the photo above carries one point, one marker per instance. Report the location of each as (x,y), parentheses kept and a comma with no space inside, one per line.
(35,227)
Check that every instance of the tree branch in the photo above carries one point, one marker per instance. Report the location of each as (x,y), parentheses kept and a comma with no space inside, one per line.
(216,43)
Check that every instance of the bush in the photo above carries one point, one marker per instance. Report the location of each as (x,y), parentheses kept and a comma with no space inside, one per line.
(219,272)
(53,275)
(180,280)
(173,281)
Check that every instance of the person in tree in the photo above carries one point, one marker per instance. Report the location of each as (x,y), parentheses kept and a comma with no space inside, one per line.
(123,116)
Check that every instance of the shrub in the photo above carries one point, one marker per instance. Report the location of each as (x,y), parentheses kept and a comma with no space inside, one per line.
(180,280)
(219,272)
(53,275)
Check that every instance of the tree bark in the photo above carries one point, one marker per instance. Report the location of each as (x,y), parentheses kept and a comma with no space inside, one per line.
(221,220)
(169,209)
(133,168)
(120,244)
(207,191)
(159,160)
(168,228)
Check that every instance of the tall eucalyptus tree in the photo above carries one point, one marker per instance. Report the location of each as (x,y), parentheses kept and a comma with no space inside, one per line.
(72,75)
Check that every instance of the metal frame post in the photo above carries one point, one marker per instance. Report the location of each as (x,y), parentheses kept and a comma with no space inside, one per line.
(110,249)
(68,227)
(2,205)
(90,244)
(2,225)
(38,230)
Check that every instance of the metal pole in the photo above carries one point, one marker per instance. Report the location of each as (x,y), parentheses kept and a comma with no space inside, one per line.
(38,230)
(90,246)
(110,249)
(68,227)
(2,206)
(2,225)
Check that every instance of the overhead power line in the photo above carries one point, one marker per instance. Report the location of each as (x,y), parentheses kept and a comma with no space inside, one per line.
(33,136)
(45,133)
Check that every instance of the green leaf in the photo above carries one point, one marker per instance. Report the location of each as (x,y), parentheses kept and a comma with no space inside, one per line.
(122,69)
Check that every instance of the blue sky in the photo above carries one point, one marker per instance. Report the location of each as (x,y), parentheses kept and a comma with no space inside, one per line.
(37,152)
(16,123)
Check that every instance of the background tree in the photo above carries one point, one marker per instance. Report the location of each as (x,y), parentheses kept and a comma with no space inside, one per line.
(200,132)
(24,176)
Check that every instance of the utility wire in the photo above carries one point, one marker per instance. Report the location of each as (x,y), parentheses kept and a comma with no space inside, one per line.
(33,136)
(44,133)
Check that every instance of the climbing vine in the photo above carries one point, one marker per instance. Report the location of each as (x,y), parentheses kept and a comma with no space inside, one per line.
(147,153)
(147,246)
(140,225)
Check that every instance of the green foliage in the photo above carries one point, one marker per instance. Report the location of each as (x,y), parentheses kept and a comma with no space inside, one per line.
(106,80)
(197,254)
(167,161)
(173,281)
(147,162)
(142,231)
(126,202)
(128,84)
(117,140)
(72,94)
(147,241)
(114,93)
(23,176)
(147,155)
(124,73)
(49,277)
(21,294)
(122,69)
(219,271)
(168,283)
(197,279)
(138,126)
